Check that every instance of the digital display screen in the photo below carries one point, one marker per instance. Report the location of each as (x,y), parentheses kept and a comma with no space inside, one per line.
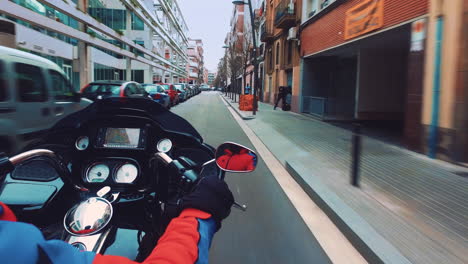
(122,138)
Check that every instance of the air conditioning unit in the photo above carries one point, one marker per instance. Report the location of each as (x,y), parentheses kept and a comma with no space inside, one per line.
(292,34)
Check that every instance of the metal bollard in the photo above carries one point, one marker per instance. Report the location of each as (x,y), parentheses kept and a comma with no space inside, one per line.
(355,155)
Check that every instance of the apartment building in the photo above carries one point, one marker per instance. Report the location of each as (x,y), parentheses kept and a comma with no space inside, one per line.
(144,41)
(211,78)
(399,67)
(195,66)
(278,32)
(239,43)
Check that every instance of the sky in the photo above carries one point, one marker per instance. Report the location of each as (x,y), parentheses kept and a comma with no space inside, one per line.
(208,20)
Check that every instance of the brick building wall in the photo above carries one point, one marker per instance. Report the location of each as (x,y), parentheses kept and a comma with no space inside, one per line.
(328,31)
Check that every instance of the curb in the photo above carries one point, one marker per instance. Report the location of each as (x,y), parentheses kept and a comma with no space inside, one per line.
(372,246)
(244,117)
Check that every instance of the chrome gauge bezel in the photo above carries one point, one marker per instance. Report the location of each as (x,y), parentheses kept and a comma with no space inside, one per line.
(117,168)
(163,141)
(92,165)
(78,147)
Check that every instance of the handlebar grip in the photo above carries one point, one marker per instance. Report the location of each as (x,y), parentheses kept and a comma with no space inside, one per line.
(5,166)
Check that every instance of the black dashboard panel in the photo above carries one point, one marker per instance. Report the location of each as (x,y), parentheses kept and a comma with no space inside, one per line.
(96,153)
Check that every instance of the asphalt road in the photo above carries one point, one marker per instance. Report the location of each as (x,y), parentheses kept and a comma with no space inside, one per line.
(271,231)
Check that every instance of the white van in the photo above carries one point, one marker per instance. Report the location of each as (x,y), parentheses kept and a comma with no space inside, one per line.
(34,94)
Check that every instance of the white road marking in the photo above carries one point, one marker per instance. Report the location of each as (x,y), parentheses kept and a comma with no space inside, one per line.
(333,242)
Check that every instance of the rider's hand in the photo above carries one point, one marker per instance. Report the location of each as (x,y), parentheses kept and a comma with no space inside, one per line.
(210,195)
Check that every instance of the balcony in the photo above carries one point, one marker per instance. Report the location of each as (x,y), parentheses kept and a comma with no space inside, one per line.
(285,14)
(266,32)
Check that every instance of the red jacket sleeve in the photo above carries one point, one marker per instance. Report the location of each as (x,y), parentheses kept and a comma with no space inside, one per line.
(186,241)
(6,214)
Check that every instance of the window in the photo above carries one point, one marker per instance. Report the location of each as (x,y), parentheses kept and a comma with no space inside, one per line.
(137,22)
(130,89)
(103,89)
(113,18)
(134,89)
(270,59)
(289,52)
(138,76)
(30,83)
(161,89)
(315,6)
(153,89)
(277,61)
(61,88)
(3,84)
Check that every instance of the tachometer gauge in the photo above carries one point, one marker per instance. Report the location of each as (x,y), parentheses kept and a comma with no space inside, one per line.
(126,173)
(164,145)
(98,172)
(82,143)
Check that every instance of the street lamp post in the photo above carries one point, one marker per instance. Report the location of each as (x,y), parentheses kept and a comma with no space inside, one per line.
(254,61)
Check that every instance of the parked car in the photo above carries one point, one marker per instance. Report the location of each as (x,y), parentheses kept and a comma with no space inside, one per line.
(194,89)
(185,87)
(205,88)
(172,92)
(34,94)
(158,94)
(183,95)
(103,89)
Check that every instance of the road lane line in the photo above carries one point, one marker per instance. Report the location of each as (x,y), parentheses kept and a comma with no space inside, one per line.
(333,242)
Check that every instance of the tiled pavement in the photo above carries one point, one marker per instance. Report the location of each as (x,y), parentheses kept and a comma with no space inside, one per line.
(417,204)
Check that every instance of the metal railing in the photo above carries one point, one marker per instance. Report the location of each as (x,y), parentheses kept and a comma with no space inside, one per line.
(266,30)
(283,9)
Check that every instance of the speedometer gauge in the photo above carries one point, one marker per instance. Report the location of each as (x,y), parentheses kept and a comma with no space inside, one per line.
(164,145)
(126,173)
(98,172)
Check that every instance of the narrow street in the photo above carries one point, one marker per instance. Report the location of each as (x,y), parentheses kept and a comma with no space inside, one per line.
(271,231)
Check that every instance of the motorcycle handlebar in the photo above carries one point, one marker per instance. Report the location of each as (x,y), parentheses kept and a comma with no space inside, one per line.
(15,160)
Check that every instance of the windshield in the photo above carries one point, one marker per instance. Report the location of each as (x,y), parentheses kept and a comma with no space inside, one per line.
(102,89)
(165,86)
(130,106)
(151,88)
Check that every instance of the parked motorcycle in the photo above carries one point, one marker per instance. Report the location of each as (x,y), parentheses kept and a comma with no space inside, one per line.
(117,165)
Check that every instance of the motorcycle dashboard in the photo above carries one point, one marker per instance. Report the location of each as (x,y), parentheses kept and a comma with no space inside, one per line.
(117,152)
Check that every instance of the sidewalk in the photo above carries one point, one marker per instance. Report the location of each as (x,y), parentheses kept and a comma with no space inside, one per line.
(417,205)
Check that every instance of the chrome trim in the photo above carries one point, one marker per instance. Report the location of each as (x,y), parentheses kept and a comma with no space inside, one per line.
(208,162)
(162,140)
(94,164)
(79,148)
(32,154)
(92,243)
(164,157)
(104,191)
(92,201)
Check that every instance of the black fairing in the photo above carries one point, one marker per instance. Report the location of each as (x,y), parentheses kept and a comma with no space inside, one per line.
(141,107)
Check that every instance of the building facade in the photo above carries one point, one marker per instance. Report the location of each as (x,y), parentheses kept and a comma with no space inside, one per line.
(144,41)
(240,46)
(278,32)
(211,78)
(195,66)
(397,66)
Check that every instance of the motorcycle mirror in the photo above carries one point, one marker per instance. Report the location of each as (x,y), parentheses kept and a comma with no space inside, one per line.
(232,157)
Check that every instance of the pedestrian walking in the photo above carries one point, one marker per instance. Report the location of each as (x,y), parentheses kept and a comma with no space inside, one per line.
(287,99)
(281,96)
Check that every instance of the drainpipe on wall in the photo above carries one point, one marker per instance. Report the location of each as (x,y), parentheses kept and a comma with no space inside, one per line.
(433,131)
